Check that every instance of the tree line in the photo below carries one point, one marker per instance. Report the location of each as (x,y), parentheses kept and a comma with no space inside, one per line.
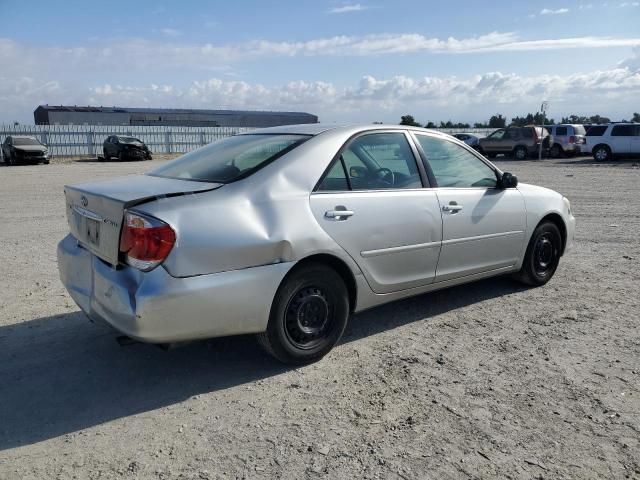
(499,121)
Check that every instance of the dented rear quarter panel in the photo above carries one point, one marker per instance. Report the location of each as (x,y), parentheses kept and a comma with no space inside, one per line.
(260,220)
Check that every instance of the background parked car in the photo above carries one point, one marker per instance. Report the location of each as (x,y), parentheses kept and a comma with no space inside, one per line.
(23,149)
(567,139)
(469,139)
(125,148)
(605,142)
(520,142)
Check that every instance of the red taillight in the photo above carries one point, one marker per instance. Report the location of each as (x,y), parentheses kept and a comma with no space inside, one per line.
(572,139)
(145,241)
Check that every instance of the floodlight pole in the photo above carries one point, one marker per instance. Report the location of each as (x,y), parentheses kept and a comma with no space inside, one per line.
(543,109)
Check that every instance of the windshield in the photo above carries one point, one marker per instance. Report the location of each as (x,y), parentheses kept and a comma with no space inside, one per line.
(129,140)
(231,158)
(25,141)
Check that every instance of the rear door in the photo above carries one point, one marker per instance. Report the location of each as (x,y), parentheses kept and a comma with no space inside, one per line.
(374,204)
(621,136)
(483,225)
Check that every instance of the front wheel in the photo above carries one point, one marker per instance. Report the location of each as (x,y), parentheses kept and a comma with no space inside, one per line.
(308,315)
(543,255)
(520,153)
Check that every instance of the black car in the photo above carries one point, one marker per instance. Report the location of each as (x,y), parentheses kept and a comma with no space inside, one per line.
(125,148)
(23,149)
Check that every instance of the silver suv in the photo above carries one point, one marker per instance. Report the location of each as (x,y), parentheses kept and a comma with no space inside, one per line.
(567,139)
(605,142)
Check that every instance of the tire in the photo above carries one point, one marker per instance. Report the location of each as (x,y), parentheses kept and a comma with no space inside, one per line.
(121,156)
(543,255)
(46,162)
(602,153)
(556,151)
(105,155)
(318,292)
(520,153)
(492,155)
(12,159)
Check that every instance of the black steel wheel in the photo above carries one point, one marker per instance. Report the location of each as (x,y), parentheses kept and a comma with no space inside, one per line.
(308,315)
(543,255)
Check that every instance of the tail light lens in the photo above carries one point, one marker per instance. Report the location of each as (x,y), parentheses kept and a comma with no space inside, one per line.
(572,139)
(145,241)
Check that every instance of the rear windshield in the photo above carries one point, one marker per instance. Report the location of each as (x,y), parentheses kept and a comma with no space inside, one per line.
(25,141)
(231,158)
(596,131)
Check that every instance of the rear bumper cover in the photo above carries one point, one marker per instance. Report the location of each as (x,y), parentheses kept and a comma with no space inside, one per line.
(158,308)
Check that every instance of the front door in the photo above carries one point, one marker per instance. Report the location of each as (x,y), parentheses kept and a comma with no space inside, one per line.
(621,136)
(373,203)
(482,225)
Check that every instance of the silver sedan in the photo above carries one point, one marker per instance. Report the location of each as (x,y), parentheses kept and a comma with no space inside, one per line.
(285,232)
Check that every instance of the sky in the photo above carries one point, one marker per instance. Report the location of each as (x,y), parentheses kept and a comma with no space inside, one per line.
(345,61)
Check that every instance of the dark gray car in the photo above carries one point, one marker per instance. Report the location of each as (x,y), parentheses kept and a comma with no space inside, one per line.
(23,149)
(125,148)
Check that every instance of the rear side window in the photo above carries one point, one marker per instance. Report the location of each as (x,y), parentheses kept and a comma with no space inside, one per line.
(527,133)
(561,131)
(596,131)
(623,131)
(335,180)
(231,158)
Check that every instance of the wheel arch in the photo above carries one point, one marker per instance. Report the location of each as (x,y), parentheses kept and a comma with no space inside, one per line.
(558,221)
(601,144)
(340,267)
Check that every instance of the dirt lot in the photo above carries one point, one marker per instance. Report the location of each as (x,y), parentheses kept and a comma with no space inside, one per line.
(489,380)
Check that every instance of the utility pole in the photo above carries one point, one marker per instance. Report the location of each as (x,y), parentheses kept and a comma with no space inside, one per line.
(543,109)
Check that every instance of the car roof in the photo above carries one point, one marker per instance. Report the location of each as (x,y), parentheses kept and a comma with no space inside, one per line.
(23,136)
(318,128)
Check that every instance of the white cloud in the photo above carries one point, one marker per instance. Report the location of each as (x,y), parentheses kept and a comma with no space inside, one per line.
(559,11)
(467,98)
(170,32)
(585,6)
(356,7)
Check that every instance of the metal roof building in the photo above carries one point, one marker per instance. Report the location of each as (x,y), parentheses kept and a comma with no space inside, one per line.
(74,115)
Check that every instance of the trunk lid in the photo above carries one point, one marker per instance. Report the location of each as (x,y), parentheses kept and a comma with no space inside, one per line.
(95,210)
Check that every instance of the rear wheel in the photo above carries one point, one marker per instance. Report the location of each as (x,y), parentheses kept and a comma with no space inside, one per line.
(556,151)
(105,155)
(543,255)
(602,153)
(520,153)
(308,315)
(12,159)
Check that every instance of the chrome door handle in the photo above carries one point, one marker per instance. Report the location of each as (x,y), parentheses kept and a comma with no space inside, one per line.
(339,214)
(451,208)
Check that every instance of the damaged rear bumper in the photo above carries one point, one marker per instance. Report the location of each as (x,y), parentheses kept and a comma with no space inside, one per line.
(158,308)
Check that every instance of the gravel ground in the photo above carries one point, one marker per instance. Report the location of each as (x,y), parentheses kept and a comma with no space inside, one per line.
(488,380)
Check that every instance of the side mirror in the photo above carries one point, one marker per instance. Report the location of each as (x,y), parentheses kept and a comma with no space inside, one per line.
(508,180)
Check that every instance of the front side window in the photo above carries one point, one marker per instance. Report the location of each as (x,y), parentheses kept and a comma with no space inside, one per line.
(497,135)
(561,131)
(231,158)
(454,166)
